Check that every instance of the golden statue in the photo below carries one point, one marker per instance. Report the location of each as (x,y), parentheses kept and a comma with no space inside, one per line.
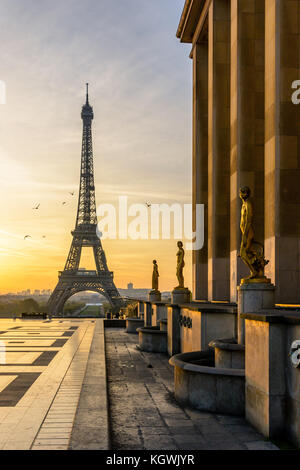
(251,252)
(155,276)
(180,266)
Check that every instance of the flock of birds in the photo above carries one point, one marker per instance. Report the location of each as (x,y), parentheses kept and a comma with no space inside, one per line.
(36,208)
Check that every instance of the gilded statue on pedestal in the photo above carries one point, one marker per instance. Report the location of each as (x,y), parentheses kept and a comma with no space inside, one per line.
(251,252)
(155,276)
(180,266)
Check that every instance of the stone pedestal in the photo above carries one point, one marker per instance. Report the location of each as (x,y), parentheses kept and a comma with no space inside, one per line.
(253,297)
(154,296)
(181,296)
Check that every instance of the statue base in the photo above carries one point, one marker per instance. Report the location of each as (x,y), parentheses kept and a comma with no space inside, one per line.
(181,295)
(154,296)
(253,297)
(258,280)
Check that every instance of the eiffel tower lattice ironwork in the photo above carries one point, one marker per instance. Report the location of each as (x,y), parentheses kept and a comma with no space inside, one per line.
(72,279)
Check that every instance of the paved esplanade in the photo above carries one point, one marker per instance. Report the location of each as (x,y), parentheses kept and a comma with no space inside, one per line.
(53,394)
(42,370)
(144,414)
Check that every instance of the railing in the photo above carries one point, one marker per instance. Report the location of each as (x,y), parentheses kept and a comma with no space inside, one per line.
(86,273)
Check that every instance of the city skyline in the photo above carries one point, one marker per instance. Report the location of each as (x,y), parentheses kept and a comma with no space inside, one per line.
(138,154)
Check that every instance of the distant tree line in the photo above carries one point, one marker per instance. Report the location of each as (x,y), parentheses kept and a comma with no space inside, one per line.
(20,306)
(32,306)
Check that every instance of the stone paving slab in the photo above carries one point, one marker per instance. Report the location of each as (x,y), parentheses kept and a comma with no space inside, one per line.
(145,415)
(38,406)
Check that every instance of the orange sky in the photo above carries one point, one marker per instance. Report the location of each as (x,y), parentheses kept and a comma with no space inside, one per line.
(141,94)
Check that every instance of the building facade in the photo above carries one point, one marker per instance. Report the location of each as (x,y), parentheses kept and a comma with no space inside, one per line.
(246,132)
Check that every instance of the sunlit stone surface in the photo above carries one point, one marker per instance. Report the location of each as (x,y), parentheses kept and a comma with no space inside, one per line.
(42,368)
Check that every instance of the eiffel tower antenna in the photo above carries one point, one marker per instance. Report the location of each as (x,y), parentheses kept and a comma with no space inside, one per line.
(87,93)
(72,279)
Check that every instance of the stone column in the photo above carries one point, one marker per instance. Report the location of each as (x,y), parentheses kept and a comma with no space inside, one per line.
(282,149)
(200,150)
(218,150)
(247,124)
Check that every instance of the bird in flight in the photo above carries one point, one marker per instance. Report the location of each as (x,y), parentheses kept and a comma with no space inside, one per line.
(27,236)
(148,204)
(64,203)
(36,207)
(72,194)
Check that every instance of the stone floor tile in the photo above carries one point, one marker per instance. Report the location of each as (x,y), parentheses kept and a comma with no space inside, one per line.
(187,430)
(56,435)
(230,419)
(17,445)
(49,447)
(161,445)
(261,445)
(225,446)
(50,441)
(157,431)
(91,446)
(239,428)
(178,422)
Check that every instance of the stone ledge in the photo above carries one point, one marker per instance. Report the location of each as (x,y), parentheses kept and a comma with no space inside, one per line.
(207,309)
(198,306)
(227,345)
(288,318)
(114,323)
(183,361)
(151,330)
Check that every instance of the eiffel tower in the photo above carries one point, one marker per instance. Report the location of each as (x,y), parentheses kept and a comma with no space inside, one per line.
(72,279)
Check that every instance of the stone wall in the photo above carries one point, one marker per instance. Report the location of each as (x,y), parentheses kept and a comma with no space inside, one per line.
(272,383)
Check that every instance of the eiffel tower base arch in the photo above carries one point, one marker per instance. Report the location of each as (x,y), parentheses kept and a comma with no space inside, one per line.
(69,285)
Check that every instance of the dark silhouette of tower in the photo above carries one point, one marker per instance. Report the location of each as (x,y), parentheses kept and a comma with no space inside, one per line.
(73,280)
